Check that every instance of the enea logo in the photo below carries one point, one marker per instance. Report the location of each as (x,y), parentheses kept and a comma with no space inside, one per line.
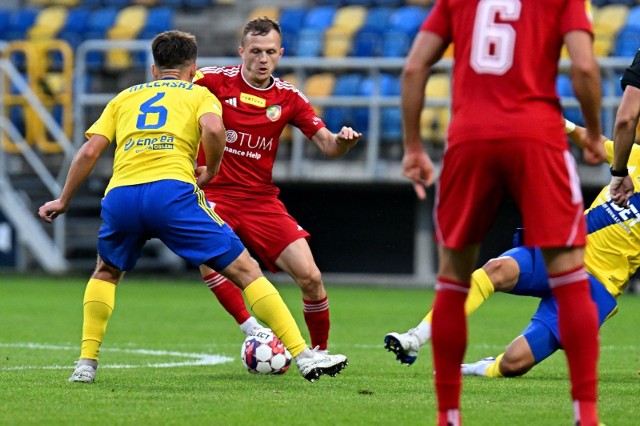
(273,112)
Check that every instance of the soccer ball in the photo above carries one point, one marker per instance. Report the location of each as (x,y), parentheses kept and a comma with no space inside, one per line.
(263,353)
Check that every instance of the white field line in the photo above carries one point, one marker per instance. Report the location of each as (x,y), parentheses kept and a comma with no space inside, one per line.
(193,358)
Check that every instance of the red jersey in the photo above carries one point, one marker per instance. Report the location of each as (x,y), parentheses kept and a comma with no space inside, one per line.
(506,55)
(254,120)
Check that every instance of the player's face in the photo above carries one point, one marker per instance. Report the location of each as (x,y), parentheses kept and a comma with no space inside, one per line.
(260,55)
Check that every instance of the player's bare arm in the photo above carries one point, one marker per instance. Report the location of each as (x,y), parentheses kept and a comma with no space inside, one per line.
(624,135)
(213,142)
(336,145)
(585,76)
(427,49)
(83,163)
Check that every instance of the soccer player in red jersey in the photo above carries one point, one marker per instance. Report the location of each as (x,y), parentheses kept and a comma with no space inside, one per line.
(256,108)
(506,138)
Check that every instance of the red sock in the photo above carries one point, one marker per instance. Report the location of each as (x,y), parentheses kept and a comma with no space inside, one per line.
(316,315)
(229,296)
(578,326)
(449,340)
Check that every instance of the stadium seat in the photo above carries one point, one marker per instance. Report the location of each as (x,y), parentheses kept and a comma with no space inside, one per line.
(309,43)
(627,42)
(408,19)
(633,17)
(116,3)
(320,18)
(20,20)
(194,5)
(128,25)
(337,116)
(388,3)
(48,23)
(386,85)
(5,17)
(395,44)
(100,20)
(272,12)
(338,37)
(377,19)
(290,19)
(366,43)
(75,26)
(564,88)
(319,85)
(435,120)
(608,19)
(159,19)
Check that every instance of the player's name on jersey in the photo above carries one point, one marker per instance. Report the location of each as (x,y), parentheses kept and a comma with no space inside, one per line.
(155,143)
(163,83)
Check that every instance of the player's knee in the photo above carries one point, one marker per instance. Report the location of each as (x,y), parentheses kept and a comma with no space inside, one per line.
(514,367)
(502,272)
(309,279)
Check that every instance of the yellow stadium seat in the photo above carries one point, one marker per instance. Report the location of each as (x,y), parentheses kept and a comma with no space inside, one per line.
(320,84)
(48,23)
(337,43)
(349,18)
(608,19)
(435,120)
(128,25)
(272,12)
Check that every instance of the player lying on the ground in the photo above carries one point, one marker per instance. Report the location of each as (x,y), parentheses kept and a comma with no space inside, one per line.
(612,256)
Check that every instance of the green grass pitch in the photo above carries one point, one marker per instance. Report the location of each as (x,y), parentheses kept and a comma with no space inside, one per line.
(171,324)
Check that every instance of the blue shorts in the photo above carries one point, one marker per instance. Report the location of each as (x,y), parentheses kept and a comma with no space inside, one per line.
(175,212)
(542,333)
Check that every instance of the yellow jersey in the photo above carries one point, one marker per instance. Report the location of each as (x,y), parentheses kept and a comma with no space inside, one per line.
(156,130)
(612,253)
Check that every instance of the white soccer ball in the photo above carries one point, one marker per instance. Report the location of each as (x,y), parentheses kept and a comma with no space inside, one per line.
(263,353)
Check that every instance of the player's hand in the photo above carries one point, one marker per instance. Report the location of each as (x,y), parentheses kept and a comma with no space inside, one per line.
(347,137)
(594,151)
(621,190)
(417,166)
(204,175)
(52,209)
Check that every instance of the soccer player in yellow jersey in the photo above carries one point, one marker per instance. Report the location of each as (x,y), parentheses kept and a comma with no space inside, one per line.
(612,256)
(153,193)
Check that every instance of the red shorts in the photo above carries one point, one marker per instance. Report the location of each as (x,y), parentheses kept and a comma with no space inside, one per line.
(477,176)
(263,225)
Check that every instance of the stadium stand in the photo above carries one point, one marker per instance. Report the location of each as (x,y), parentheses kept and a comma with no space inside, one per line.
(338,37)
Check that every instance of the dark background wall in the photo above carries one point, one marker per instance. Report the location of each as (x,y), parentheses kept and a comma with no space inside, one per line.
(370,228)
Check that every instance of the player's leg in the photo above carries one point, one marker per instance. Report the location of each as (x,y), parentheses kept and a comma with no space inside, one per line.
(449,328)
(514,270)
(578,326)
(268,306)
(297,260)
(231,299)
(119,247)
(98,304)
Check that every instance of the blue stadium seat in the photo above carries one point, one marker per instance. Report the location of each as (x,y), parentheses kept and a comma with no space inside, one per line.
(377,18)
(290,23)
(310,42)
(627,42)
(395,44)
(159,19)
(320,17)
(387,85)
(197,4)
(20,20)
(116,3)
(633,17)
(336,117)
(5,17)
(75,26)
(564,89)
(100,21)
(388,3)
(408,19)
(366,43)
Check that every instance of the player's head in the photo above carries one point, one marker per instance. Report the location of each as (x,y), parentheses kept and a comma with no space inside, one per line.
(174,50)
(260,49)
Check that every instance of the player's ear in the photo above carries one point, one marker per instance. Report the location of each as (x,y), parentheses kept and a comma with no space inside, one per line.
(154,71)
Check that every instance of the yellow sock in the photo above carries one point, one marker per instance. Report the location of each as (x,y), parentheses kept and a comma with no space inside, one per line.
(494,369)
(268,306)
(99,300)
(481,289)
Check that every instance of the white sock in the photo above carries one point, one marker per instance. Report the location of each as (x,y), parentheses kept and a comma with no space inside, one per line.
(422,332)
(250,326)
